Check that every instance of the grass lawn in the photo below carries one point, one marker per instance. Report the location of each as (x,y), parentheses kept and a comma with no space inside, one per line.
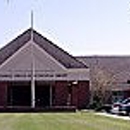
(60,121)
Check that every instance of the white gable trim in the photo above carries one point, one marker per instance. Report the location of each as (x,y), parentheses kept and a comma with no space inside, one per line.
(13,56)
(40,49)
(49,56)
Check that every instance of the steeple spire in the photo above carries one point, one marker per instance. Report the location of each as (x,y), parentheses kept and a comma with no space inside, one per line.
(31,21)
(32,18)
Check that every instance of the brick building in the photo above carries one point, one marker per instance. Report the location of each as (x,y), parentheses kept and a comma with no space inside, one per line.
(36,73)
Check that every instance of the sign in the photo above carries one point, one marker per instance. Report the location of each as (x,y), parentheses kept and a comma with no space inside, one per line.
(70,75)
(36,75)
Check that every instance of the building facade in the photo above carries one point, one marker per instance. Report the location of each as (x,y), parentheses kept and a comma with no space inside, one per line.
(116,70)
(34,72)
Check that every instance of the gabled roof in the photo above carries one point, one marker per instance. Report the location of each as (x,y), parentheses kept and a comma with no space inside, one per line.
(59,54)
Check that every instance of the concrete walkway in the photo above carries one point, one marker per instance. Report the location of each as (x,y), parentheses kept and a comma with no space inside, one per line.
(114,116)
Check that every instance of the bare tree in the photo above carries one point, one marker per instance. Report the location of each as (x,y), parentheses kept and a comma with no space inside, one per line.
(102,81)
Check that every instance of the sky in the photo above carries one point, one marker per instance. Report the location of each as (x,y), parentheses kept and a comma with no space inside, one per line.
(80,27)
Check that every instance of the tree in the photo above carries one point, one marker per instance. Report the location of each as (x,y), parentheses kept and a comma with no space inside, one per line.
(102,81)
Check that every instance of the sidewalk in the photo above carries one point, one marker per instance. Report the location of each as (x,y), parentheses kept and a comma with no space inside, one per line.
(114,116)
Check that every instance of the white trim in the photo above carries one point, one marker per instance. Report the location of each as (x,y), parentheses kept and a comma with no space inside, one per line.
(38,47)
(49,56)
(16,53)
(79,70)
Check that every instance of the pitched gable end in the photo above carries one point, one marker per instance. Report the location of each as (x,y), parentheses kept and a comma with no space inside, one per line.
(59,54)
(53,50)
(14,46)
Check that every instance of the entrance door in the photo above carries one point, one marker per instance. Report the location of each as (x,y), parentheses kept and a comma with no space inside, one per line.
(42,95)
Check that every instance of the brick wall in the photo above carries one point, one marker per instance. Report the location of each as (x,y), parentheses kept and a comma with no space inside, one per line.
(61,93)
(79,94)
(3,94)
(83,94)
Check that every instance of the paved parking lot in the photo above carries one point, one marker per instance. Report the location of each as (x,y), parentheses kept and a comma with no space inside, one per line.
(114,116)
